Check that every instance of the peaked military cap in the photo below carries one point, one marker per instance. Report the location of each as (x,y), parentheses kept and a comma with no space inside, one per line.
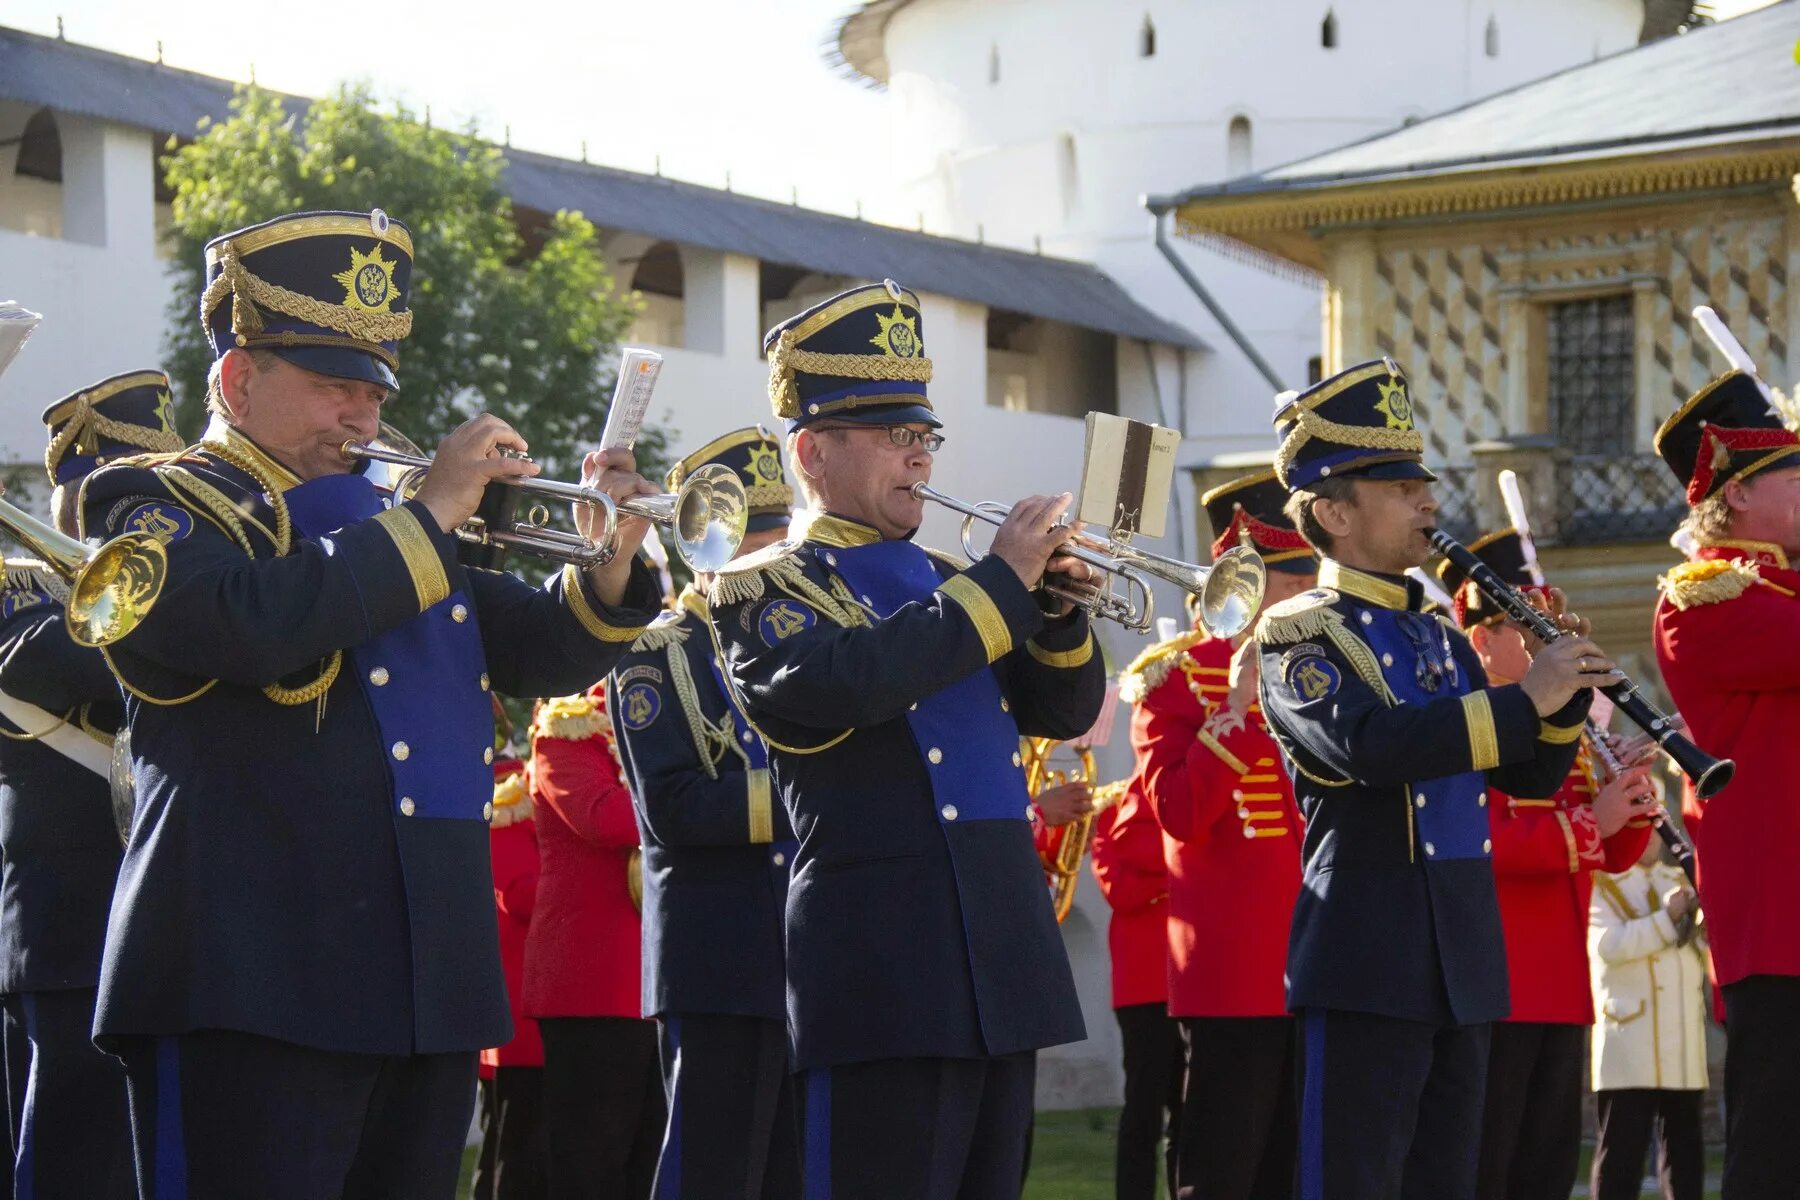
(325,290)
(1504,553)
(1727,430)
(1359,423)
(123,415)
(1247,512)
(859,356)
(756,456)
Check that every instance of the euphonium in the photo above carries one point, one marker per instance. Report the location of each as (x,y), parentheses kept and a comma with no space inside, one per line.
(1068,844)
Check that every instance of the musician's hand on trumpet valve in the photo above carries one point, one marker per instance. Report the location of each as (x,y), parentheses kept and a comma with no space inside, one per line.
(1029,538)
(474,454)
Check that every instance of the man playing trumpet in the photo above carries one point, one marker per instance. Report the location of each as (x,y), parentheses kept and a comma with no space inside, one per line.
(891,685)
(302,960)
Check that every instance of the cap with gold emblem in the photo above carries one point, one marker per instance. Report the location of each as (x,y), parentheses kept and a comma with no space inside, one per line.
(756,457)
(1359,422)
(325,290)
(859,356)
(1505,554)
(126,414)
(1727,430)
(1247,512)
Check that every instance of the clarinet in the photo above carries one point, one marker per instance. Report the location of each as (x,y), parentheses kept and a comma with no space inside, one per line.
(1665,829)
(1707,773)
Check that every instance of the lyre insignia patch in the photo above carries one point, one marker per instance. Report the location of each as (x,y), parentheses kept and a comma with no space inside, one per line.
(1313,678)
(164,522)
(639,705)
(782,619)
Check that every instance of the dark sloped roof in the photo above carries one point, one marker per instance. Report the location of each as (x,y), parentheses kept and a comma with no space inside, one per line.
(113,87)
(1733,81)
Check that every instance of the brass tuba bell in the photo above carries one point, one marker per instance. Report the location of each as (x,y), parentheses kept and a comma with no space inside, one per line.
(1069,844)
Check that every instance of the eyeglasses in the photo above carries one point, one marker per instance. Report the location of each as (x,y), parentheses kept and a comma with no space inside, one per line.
(899,435)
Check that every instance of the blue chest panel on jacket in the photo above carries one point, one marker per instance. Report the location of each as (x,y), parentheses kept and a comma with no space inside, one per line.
(1419,666)
(966,735)
(425,680)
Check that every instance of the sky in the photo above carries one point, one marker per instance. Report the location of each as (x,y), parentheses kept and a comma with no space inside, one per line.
(710,87)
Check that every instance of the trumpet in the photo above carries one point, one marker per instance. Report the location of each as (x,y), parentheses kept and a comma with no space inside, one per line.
(111,587)
(706,517)
(1230,591)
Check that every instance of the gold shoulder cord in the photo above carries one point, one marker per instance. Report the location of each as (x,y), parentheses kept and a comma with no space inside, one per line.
(710,740)
(738,699)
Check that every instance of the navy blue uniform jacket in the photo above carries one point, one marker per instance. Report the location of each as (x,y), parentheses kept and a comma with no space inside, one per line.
(59,848)
(319,875)
(918,922)
(1393,735)
(717,849)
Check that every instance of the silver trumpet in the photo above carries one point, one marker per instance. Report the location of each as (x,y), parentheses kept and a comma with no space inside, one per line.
(706,517)
(1230,591)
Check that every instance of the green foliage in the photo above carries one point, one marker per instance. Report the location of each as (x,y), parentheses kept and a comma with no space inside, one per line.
(527,335)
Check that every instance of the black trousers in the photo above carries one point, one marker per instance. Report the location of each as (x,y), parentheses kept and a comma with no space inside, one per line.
(218,1115)
(1626,1119)
(1154,1066)
(1238,1120)
(1389,1107)
(1762,1087)
(1531,1122)
(733,1131)
(71,1123)
(917,1128)
(515,1160)
(603,1106)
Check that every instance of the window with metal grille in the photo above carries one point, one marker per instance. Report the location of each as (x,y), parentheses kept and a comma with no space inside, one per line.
(1590,352)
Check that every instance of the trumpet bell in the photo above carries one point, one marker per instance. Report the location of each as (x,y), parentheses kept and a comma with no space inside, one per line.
(1232,592)
(110,596)
(710,515)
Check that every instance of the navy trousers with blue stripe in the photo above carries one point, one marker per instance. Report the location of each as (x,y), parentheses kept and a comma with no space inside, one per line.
(1389,1108)
(733,1123)
(917,1128)
(71,1135)
(219,1115)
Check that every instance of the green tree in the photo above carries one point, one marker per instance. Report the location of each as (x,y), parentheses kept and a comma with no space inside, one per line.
(528,334)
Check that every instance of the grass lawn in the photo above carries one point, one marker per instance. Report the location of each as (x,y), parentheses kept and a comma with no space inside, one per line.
(1072,1159)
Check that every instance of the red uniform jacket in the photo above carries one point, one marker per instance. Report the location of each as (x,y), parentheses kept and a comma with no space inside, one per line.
(1545,852)
(1128,864)
(512,842)
(1233,831)
(1728,643)
(582,954)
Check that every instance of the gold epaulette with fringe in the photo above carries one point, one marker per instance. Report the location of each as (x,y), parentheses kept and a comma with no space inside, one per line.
(1300,618)
(1149,669)
(670,629)
(573,718)
(1709,581)
(27,574)
(745,578)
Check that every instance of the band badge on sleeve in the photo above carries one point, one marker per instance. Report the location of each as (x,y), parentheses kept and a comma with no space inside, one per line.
(639,705)
(782,619)
(21,599)
(164,522)
(1312,678)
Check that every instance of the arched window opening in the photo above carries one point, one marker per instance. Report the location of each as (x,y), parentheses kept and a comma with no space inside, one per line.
(659,279)
(40,148)
(1491,39)
(1237,147)
(1147,38)
(1328,32)
(994,64)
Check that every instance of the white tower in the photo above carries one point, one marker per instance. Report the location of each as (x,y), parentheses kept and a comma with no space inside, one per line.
(1043,122)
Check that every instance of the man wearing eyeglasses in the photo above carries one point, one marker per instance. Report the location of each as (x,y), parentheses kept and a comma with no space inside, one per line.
(1388,725)
(891,683)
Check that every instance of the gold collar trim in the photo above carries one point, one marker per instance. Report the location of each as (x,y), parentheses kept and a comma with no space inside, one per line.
(1362,585)
(691,600)
(810,525)
(221,433)
(1754,549)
